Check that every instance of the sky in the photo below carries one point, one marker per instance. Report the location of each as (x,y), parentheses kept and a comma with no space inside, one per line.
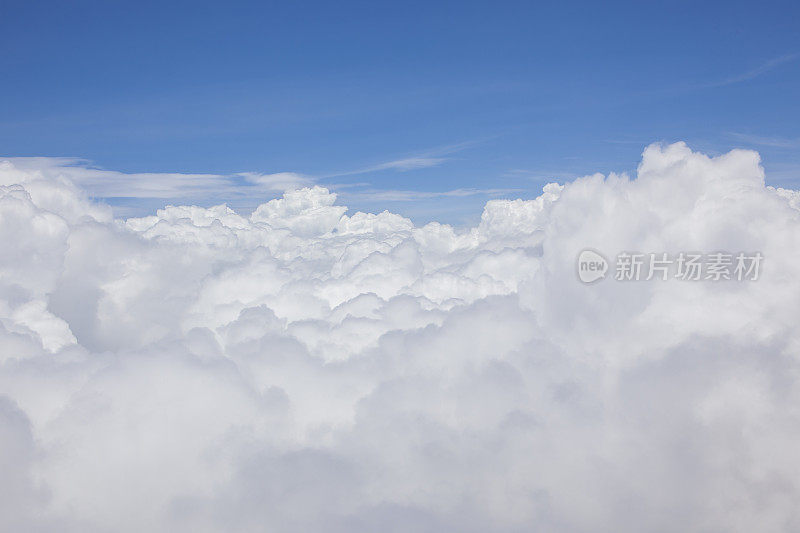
(427,109)
(396,323)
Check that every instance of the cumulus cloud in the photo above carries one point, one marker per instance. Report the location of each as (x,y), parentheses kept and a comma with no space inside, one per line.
(308,369)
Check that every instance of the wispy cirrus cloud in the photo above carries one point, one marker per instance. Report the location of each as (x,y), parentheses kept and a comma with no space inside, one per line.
(410,163)
(753,73)
(425,159)
(759,140)
(102,183)
(282,181)
(411,195)
(133,193)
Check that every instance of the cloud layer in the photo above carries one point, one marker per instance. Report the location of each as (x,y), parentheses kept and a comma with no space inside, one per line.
(306,369)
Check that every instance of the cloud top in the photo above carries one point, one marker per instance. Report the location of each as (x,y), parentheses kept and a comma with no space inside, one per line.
(308,369)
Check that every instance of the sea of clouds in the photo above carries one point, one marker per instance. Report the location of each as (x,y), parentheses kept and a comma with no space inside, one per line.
(306,370)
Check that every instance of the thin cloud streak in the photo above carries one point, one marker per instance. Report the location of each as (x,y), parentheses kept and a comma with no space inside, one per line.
(756,72)
(425,159)
(224,188)
(241,188)
(774,142)
(101,183)
(410,196)
(411,163)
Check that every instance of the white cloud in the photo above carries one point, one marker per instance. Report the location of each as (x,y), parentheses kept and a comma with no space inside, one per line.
(390,195)
(306,369)
(100,183)
(430,158)
(760,70)
(399,165)
(774,142)
(279,181)
(411,163)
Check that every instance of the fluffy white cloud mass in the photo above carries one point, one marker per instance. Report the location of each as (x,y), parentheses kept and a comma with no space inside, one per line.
(302,369)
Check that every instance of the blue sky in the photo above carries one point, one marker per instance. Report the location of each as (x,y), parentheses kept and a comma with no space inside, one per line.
(393,104)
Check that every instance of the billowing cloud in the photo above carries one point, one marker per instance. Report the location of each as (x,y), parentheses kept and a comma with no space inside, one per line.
(308,369)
